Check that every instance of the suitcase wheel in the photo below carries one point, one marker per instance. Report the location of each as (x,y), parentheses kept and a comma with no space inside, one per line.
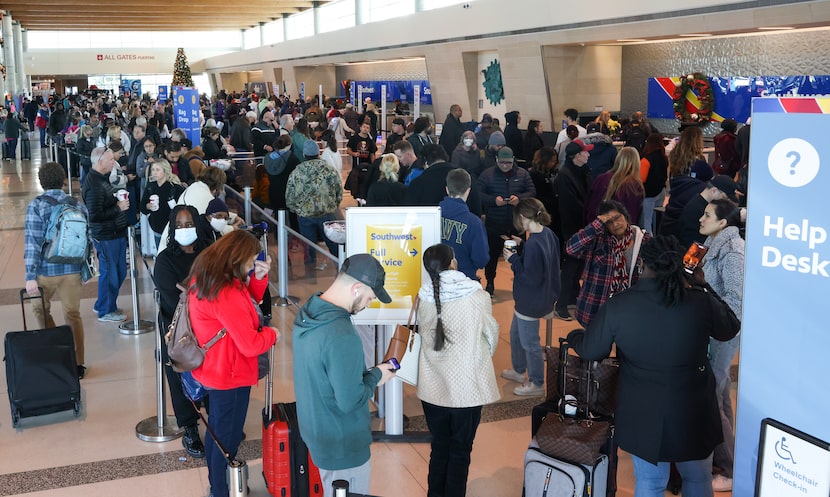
(15,418)
(77,409)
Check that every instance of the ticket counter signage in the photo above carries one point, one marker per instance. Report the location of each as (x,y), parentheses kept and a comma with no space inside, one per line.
(784,336)
(187,113)
(397,237)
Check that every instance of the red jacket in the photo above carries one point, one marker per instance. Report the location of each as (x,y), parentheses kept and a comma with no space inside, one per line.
(232,361)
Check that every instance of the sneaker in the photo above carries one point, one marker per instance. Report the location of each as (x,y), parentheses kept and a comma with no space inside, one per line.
(81,371)
(529,389)
(192,443)
(564,317)
(512,375)
(721,483)
(113,316)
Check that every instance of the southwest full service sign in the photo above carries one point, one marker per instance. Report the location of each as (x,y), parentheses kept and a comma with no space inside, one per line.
(785,338)
(397,238)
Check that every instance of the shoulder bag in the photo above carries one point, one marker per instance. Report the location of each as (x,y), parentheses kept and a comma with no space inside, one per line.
(405,346)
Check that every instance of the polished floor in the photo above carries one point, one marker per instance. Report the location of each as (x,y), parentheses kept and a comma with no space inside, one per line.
(98,453)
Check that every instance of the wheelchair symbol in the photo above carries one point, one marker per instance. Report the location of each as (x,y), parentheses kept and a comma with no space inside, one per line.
(782,450)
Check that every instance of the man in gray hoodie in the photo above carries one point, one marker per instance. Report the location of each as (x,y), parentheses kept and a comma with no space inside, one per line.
(331,382)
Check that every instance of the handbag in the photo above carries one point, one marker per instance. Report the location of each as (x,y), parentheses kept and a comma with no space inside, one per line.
(572,440)
(405,346)
(194,390)
(592,382)
(182,346)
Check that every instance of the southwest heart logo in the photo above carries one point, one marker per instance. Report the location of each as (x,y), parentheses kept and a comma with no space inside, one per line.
(100,57)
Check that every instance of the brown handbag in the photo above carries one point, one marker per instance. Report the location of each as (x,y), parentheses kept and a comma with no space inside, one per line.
(592,382)
(572,440)
(400,338)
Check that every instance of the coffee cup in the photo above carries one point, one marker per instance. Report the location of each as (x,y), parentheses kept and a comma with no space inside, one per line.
(154,199)
(511,245)
(122,195)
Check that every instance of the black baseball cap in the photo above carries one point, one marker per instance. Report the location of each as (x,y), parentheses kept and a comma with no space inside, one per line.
(367,270)
(399,120)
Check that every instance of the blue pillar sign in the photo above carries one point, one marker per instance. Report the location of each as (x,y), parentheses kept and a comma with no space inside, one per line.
(187,113)
(784,337)
(162,93)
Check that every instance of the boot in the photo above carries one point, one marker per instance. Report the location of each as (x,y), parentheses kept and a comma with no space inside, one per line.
(192,442)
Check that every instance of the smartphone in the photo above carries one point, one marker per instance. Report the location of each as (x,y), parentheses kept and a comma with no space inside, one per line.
(395,364)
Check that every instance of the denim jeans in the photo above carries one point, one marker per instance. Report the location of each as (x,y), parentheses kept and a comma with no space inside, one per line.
(647,216)
(42,137)
(11,146)
(453,430)
(228,409)
(112,264)
(721,356)
(312,228)
(651,480)
(526,349)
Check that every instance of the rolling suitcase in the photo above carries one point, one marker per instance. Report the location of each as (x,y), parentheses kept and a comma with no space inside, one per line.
(546,476)
(41,370)
(286,463)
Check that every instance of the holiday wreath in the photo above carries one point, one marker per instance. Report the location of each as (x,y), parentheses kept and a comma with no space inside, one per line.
(693,98)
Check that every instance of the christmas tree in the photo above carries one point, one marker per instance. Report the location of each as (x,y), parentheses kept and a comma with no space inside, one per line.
(181,70)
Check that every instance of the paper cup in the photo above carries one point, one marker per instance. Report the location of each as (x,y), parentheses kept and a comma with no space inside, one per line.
(122,195)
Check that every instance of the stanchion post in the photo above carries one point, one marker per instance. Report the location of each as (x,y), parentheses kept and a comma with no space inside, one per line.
(68,171)
(158,428)
(247,190)
(136,326)
(284,299)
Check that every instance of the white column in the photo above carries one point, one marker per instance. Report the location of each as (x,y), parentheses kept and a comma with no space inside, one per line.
(358,13)
(285,27)
(18,58)
(315,11)
(419,5)
(261,34)
(8,55)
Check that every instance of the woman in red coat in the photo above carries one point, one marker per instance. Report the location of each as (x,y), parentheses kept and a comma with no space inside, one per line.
(226,282)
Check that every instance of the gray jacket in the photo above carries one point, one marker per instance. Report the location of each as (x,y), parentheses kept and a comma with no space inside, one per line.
(723,266)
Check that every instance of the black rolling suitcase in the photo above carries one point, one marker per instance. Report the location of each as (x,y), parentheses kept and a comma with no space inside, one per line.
(41,370)
(25,146)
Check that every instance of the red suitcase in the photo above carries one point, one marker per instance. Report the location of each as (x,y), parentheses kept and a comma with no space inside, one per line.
(286,463)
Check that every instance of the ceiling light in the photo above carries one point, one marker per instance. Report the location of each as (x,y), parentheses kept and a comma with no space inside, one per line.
(695,35)
(775,28)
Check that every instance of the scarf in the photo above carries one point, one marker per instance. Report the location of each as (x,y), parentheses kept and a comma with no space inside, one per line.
(619,276)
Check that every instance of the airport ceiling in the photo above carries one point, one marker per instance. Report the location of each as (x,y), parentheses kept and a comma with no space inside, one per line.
(149,15)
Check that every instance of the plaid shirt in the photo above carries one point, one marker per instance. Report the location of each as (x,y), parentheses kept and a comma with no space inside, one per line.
(594,244)
(37,219)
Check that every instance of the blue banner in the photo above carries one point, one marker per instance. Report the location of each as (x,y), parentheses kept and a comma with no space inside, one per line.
(784,338)
(187,113)
(163,93)
(395,90)
(131,86)
(733,96)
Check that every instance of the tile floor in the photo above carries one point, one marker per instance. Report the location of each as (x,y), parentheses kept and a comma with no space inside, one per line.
(98,453)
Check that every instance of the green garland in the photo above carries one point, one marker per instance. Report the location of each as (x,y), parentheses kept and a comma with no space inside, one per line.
(699,83)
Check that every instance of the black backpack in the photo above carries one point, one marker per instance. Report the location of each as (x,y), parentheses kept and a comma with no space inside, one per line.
(636,137)
(357,181)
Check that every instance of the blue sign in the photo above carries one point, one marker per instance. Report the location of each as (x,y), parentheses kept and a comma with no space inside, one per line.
(395,90)
(784,336)
(187,113)
(163,93)
(131,86)
(302,91)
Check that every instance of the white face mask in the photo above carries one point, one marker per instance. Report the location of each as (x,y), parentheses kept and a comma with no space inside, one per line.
(468,142)
(218,224)
(185,236)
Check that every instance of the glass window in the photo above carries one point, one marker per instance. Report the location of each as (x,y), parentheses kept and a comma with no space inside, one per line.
(250,38)
(301,25)
(56,40)
(437,4)
(273,32)
(337,15)
(380,10)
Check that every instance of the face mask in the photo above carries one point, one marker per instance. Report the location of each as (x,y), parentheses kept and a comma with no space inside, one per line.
(185,236)
(218,224)
(468,142)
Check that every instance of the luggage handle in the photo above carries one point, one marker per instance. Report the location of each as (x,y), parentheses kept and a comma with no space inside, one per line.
(24,296)
(563,382)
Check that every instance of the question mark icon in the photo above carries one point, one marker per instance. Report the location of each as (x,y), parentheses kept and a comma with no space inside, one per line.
(796,159)
(793,162)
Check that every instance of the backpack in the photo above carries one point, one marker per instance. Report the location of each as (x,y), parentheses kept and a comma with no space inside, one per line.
(357,179)
(66,239)
(636,138)
(182,346)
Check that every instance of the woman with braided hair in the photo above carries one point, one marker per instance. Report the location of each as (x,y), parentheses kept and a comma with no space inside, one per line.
(535,288)
(666,406)
(459,336)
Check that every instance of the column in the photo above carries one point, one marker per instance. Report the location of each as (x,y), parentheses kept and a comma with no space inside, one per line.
(285,27)
(261,34)
(2,61)
(18,58)
(358,12)
(8,55)
(316,13)
(419,5)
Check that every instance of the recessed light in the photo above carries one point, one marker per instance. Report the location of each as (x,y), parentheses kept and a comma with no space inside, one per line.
(696,35)
(632,40)
(775,28)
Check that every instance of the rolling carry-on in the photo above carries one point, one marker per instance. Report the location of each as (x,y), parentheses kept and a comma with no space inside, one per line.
(286,463)
(41,370)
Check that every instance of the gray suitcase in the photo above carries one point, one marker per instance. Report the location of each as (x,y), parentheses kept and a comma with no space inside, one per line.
(546,476)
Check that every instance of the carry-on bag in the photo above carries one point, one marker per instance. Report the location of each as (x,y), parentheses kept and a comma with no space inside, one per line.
(567,374)
(546,476)
(286,462)
(41,370)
